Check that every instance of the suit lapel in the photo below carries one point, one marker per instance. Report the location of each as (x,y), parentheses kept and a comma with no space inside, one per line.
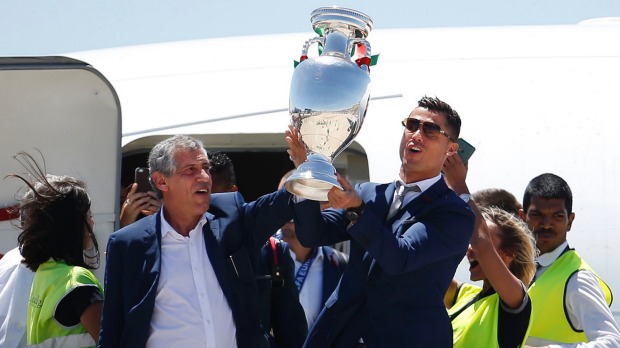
(152,257)
(389,197)
(213,240)
(409,211)
(331,274)
(413,208)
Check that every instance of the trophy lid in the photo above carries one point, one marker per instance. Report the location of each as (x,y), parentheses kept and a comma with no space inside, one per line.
(341,18)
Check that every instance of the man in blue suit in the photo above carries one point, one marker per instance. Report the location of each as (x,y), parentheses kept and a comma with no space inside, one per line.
(317,271)
(162,288)
(407,239)
(282,317)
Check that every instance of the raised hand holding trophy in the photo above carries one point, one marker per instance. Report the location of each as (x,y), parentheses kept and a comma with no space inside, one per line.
(329,96)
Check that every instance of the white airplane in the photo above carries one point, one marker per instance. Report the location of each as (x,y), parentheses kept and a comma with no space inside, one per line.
(533,99)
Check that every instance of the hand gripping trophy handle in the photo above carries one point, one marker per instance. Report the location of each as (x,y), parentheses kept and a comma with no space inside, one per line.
(329,97)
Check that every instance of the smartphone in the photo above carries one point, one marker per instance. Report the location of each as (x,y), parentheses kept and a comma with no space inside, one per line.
(465,150)
(142,178)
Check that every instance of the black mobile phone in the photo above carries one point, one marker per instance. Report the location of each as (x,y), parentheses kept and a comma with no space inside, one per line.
(142,178)
(465,150)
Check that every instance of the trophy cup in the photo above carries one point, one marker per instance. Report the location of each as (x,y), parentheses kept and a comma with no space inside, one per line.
(329,96)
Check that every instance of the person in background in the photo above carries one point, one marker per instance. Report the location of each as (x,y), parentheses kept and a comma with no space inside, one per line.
(222,172)
(185,277)
(501,255)
(497,197)
(407,239)
(137,205)
(282,315)
(571,302)
(15,283)
(317,270)
(485,198)
(57,243)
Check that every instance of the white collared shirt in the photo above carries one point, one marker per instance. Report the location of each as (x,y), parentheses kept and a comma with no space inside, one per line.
(311,294)
(423,185)
(190,307)
(586,306)
(15,283)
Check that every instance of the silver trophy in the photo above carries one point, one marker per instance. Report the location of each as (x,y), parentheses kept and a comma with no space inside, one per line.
(329,96)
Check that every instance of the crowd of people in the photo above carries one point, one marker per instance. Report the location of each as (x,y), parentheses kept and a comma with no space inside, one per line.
(195,265)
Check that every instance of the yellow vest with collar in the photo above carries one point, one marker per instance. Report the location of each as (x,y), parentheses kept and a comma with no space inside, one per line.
(52,282)
(548,294)
(477,325)
(465,292)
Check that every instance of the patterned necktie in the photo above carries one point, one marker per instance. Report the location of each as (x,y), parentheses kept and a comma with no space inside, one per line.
(400,196)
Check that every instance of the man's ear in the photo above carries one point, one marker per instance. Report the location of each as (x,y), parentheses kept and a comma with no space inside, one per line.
(160,181)
(452,148)
(571,217)
(522,214)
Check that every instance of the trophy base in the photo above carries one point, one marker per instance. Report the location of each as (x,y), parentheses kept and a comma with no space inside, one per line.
(313,179)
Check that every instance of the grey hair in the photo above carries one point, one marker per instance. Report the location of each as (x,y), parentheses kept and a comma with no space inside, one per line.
(162,156)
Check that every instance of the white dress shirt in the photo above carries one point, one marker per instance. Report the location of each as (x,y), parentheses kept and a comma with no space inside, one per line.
(311,294)
(586,306)
(190,307)
(15,283)
(423,185)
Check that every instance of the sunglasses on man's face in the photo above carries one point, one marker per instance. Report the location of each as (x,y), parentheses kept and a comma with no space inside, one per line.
(430,129)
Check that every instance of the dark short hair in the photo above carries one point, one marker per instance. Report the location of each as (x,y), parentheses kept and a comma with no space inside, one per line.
(222,170)
(452,117)
(497,197)
(55,212)
(548,186)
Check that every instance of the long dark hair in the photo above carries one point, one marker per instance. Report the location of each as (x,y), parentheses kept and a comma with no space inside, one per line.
(55,213)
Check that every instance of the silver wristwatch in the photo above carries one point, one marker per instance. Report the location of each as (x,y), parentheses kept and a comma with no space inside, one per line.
(466,197)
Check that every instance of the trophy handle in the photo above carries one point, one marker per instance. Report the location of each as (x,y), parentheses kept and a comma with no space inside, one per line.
(362,52)
(304,50)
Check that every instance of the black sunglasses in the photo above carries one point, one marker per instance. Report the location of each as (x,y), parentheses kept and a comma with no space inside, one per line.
(429,129)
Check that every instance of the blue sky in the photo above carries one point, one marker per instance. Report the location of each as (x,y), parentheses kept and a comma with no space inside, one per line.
(46,27)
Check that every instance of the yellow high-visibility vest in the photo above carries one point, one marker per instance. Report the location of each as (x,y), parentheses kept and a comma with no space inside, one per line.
(52,282)
(548,293)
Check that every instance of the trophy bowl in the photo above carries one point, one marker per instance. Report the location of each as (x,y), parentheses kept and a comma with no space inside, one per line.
(329,96)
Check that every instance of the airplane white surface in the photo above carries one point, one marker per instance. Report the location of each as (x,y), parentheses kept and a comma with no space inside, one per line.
(70,113)
(533,99)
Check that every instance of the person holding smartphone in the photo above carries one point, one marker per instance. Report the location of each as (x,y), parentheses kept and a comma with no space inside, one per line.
(140,200)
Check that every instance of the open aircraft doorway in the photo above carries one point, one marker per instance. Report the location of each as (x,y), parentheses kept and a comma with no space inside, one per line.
(260,160)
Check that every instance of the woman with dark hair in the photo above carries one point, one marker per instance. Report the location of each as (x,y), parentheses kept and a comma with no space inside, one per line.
(57,242)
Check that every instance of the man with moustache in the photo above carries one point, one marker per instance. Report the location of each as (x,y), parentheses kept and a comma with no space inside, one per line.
(570,301)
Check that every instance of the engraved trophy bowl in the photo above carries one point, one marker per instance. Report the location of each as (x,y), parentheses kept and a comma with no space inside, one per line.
(329,96)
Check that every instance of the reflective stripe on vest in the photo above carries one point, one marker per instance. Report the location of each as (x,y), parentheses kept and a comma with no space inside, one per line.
(52,282)
(548,294)
(77,340)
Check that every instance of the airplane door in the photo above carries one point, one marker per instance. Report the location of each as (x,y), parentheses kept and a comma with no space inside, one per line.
(70,112)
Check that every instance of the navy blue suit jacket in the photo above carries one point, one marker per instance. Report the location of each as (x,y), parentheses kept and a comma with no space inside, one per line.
(282,316)
(391,293)
(334,263)
(233,235)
